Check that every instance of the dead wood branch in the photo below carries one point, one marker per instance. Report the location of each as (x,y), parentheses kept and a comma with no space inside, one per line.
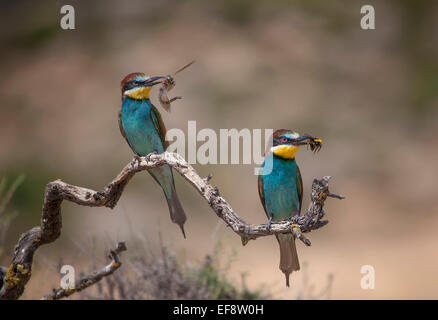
(92,278)
(19,271)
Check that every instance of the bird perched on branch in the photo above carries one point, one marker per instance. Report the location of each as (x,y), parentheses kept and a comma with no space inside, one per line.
(281,190)
(143,128)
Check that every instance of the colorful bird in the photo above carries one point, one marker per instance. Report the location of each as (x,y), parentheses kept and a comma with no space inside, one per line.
(143,128)
(281,190)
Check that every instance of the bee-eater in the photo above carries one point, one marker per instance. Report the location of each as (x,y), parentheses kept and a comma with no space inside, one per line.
(281,191)
(143,128)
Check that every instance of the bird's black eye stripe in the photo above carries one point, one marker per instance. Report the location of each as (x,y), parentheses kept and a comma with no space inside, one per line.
(130,85)
(279,141)
(282,140)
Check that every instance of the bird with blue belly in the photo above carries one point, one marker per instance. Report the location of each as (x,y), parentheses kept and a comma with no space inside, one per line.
(281,190)
(143,128)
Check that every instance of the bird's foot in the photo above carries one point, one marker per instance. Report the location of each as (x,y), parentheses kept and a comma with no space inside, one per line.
(296,231)
(148,157)
(136,160)
(268,224)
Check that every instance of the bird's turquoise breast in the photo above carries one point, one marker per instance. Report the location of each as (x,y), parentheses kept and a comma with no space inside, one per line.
(139,127)
(280,189)
(144,138)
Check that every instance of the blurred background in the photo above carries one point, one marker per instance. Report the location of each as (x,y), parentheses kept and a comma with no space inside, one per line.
(371,95)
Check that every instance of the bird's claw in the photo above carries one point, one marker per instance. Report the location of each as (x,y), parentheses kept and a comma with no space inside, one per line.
(268,224)
(148,157)
(136,160)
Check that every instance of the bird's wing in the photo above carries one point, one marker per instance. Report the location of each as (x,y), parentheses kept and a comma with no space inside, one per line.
(159,125)
(299,187)
(122,131)
(261,192)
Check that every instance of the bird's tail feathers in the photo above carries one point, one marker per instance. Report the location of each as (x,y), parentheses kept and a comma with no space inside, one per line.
(177,213)
(288,255)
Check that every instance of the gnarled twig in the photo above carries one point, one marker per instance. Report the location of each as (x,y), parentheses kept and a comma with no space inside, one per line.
(19,271)
(92,278)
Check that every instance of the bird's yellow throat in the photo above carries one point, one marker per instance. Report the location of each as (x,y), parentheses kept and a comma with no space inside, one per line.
(138,93)
(285,152)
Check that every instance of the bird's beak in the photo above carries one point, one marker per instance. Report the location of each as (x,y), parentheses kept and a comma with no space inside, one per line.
(302,140)
(153,81)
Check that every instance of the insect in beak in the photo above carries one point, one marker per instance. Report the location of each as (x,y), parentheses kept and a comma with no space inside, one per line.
(315,144)
(168,84)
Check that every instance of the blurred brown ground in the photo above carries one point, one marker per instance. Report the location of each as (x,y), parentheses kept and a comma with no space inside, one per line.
(371,95)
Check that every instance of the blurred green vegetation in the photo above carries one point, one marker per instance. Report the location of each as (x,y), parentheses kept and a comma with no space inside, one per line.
(27,200)
(33,38)
(424,93)
(211,276)
(7,215)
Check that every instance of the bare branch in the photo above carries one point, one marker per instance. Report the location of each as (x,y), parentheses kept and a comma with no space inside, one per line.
(19,271)
(92,278)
